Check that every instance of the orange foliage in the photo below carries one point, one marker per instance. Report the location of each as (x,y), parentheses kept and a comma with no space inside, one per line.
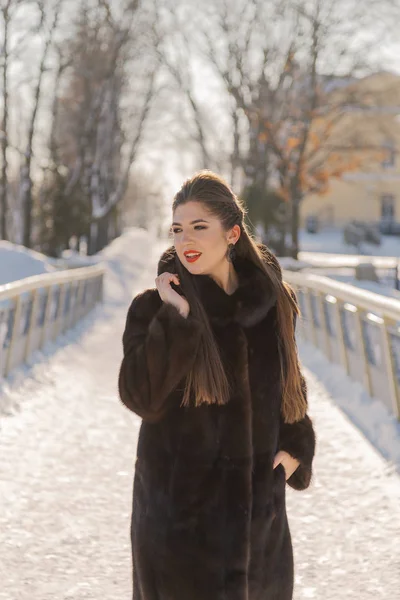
(283,193)
(311,178)
(292,143)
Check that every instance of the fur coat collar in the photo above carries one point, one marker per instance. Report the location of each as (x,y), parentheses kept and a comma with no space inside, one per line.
(250,302)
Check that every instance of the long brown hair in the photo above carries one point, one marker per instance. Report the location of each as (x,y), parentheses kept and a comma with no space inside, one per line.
(207,381)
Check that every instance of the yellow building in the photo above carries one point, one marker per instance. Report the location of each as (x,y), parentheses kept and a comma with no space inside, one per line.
(368,133)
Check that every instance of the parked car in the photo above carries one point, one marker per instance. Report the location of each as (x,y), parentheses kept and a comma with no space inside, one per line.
(312,224)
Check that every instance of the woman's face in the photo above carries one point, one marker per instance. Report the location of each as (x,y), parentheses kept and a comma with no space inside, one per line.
(199,239)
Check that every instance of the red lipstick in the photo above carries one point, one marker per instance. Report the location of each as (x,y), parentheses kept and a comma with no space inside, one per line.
(192,255)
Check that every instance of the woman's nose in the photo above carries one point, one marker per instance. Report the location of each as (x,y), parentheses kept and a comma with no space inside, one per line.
(186,237)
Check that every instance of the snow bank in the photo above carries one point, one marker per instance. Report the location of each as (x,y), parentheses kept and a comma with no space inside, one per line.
(291,264)
(124,259)
(331,240)
(370,415)
(70,259)
(17,262)
(339,260)
(371,286)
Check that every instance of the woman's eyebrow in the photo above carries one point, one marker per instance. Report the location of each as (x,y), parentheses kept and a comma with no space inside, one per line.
(193,222)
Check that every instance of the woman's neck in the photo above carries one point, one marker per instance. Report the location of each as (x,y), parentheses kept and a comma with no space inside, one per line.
(226,277)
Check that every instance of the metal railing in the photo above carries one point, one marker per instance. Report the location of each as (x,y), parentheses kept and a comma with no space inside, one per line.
(38,309)
(355,328)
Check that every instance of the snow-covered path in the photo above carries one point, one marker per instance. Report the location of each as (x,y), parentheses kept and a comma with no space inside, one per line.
(66,476)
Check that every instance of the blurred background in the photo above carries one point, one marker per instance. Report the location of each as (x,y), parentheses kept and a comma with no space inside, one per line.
(106,106)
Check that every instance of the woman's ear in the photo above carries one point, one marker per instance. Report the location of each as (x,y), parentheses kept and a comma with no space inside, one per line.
(234,234)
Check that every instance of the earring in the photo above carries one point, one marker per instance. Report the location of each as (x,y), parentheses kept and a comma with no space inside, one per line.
(231,253)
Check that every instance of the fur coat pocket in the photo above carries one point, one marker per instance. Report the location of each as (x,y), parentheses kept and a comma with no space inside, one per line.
(279,489)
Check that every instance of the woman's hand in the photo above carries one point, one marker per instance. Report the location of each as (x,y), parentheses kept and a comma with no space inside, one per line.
(167,294)
(289,463)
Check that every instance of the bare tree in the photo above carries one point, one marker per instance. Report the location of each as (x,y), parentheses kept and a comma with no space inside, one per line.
(239,55)
(104,132)
(49,27)
(67,174)
(278,60)
(174,52)
(7,12)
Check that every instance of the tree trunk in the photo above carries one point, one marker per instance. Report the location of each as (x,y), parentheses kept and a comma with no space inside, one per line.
(295,216)
(26,176)
(4,137)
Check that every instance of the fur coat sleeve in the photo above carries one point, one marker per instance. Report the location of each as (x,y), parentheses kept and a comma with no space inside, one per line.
(160,347)
(299,440)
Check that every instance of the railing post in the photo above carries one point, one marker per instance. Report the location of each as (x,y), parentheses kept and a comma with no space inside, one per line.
(367,375)
(77,306)
(302,330)
(394,388)
(310,310)
(14,334)
(101,295)
(67,318)
(46,316)
(58,323)
(31,324)
(342,344)
(325,333)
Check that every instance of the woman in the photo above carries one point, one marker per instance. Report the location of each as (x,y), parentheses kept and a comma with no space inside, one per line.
(210,365)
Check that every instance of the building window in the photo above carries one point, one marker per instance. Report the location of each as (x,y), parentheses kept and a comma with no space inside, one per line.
(387,207)
(389,155)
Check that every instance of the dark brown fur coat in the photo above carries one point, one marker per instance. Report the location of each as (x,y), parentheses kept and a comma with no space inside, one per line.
(209,517)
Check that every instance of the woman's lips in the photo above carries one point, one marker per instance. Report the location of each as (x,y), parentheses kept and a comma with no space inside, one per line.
(192,257)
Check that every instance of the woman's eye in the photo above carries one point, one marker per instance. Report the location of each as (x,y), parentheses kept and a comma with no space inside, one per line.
(178,230)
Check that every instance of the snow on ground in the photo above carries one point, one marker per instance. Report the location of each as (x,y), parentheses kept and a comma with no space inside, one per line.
(68,450)
(331,240)
(326,254)
(346,525)
(17,262)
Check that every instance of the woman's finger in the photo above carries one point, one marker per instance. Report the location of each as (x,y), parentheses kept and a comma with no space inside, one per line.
(167,277)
